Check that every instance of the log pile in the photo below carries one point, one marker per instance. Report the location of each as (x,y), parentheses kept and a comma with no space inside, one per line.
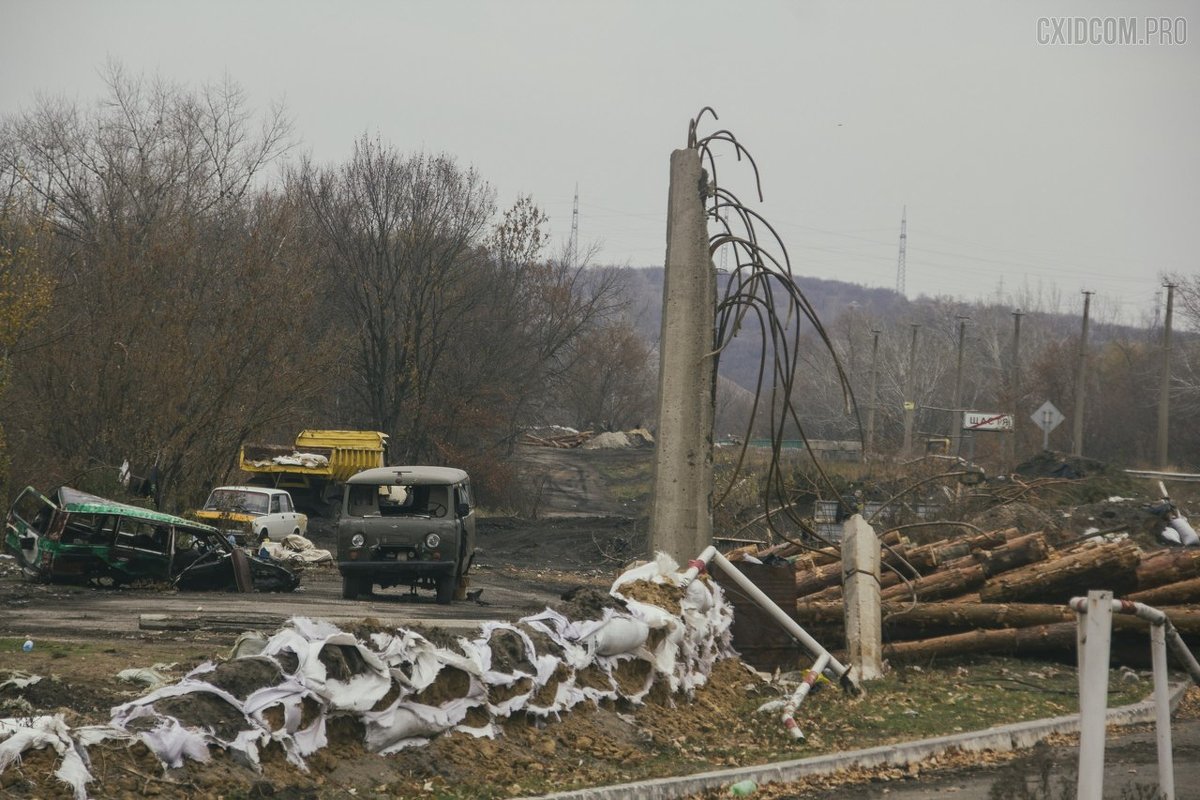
(1000,591)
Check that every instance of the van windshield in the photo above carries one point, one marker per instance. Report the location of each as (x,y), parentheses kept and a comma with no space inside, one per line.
(399,501)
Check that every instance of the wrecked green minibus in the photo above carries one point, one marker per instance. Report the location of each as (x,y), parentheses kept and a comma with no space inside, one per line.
(82,538)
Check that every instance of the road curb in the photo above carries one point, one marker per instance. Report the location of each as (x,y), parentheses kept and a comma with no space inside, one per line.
(1017,736)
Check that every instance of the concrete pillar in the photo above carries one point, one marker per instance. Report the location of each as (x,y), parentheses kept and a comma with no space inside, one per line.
(681,514)
(864,625)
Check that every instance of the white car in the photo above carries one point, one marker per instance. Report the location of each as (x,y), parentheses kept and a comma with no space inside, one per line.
(251,512)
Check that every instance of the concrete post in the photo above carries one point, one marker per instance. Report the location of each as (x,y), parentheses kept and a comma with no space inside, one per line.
(681,515)
(864,625)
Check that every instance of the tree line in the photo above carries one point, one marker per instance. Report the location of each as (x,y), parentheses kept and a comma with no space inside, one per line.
(174,282)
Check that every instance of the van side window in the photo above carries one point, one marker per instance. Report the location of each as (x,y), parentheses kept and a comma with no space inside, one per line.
(142,535)
(81,528)
(285,503)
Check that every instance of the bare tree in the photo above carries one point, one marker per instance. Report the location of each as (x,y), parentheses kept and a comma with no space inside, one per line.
(609,385)
(178,281)
(399,242)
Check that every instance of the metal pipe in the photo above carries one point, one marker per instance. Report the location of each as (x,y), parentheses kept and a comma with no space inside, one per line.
(1155,617)
(789,708)
(1162,712)
(840,670)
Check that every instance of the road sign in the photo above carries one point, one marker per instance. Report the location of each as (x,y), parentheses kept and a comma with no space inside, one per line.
(986,421)
(1047,417)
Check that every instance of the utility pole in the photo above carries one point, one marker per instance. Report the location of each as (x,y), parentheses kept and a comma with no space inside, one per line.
(681,514)
(956,419)
(1080,380)
(1164,383)
(910,405)
(900,268)
(1014,383)
(871,395)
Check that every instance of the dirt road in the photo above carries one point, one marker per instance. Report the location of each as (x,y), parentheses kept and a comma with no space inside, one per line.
(521,567)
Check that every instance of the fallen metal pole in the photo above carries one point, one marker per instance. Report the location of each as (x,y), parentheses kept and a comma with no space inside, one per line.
(840,671)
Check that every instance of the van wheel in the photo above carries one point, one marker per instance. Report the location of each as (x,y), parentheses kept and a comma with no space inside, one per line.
(353,587)
(445,589)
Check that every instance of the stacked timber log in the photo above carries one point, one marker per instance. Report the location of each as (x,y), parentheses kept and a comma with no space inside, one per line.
(1000,591)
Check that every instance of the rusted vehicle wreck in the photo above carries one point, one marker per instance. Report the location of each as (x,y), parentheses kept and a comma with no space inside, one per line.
(82,538)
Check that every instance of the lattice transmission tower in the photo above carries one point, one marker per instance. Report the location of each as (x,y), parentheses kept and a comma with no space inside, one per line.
(903,246)
(574,243)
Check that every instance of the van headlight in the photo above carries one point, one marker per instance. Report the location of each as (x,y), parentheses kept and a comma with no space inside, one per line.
(432,540)
(357,540)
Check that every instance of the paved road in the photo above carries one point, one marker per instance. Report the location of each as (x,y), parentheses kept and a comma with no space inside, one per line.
(1048,773)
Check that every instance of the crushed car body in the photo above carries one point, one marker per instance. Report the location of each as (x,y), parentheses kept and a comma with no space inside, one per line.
(83,538)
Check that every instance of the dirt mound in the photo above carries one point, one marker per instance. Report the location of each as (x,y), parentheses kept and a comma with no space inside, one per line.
(1089,480)
(1027,518)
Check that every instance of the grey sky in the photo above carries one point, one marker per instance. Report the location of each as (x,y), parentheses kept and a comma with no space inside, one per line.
(1053,167)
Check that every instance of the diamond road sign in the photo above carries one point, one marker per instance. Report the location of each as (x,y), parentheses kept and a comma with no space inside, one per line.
(1047,417)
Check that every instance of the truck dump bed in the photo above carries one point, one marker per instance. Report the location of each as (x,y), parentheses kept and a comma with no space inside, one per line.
(350,451)
(317,462)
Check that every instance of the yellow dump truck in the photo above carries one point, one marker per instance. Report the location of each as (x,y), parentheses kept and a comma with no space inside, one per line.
(314,468)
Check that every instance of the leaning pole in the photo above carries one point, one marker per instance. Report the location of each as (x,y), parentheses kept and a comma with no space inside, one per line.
(681,513)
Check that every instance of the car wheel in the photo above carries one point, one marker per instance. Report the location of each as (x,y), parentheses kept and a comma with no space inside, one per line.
(445,589)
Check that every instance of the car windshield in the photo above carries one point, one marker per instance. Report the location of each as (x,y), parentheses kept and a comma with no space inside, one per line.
(237,500)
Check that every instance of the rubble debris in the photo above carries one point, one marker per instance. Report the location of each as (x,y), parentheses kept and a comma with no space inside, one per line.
(561,437)
(607,441)
(401,688)
(555,436)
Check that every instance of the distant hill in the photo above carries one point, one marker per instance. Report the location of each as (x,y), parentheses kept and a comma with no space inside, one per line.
(831,300)
(739,362)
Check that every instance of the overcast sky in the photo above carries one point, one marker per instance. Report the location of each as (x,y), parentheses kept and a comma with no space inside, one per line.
(1022,164)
